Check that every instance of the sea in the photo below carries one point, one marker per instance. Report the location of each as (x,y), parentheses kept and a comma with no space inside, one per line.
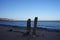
(42,24)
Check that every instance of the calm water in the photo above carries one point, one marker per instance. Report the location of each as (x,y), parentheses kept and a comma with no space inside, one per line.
(44,24)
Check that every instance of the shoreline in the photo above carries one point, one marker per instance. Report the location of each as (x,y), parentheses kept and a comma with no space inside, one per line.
(47,29)
(43,33)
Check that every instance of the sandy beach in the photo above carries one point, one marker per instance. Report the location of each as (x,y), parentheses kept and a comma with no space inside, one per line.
(42,34)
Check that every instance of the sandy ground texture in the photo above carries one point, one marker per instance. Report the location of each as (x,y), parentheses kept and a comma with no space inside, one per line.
(5,34)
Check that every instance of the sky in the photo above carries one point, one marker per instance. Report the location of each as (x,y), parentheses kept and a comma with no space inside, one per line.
(25,9)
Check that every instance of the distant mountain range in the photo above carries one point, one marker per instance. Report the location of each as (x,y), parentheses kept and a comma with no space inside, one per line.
(5,19)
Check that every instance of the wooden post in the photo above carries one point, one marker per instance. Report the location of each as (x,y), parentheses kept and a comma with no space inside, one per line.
(28,26)
(35,26)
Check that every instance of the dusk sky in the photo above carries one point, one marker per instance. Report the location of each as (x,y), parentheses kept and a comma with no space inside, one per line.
(24,9)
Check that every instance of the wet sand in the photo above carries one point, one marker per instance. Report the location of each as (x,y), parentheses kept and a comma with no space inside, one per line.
(43,34)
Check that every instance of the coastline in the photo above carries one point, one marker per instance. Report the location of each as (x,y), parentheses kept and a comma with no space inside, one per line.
(48,29)
(43,33)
